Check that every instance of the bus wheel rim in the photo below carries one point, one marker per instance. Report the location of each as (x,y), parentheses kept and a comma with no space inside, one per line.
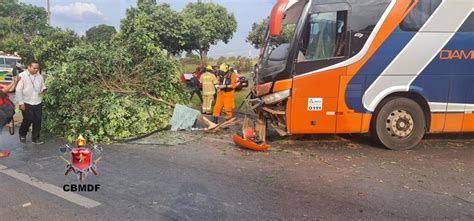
(400,124)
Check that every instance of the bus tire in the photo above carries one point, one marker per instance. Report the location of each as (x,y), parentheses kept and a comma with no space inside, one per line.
(399,124)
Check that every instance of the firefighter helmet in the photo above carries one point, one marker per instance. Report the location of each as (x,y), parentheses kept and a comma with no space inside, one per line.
(224,68)
(81,141)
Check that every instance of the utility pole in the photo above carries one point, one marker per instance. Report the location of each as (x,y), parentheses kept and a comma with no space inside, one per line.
(49,13)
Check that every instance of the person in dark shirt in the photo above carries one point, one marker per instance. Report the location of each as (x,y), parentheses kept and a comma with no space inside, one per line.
(194,83)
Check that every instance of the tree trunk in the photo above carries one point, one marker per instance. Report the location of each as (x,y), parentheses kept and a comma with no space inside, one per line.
(203,55)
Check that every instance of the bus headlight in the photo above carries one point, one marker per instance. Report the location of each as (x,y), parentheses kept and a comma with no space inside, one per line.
(276,97)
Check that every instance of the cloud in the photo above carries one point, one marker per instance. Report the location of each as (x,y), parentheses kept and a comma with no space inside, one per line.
(78,11)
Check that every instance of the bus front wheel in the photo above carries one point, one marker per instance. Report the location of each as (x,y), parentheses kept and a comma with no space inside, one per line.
(399,124)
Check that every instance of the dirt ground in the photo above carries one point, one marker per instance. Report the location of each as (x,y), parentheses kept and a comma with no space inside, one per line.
(439,172)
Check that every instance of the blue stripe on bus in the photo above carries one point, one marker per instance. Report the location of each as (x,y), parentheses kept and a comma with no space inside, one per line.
(449,80)
(379,61)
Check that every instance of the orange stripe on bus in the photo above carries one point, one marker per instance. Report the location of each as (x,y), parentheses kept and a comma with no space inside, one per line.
(468,123)
(453,122)
(366,118)
(288,115)
(283,85)
(437,122)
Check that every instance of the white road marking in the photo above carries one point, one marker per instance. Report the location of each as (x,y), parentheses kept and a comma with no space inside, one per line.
(59,192)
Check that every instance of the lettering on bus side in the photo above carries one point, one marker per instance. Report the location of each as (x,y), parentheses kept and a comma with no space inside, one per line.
(456,55)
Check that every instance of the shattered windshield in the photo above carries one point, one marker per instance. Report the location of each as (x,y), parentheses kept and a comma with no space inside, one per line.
(278,48)
(276,51)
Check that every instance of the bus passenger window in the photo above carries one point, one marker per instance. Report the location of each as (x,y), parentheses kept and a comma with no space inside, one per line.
(324,37)
(419,15)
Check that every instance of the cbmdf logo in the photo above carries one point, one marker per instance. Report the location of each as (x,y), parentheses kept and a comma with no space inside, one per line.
(82,159)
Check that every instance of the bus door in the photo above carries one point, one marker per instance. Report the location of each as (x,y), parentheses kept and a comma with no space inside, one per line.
(323,42)
(458,93)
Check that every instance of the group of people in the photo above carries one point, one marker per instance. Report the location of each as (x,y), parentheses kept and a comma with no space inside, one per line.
(29,87)
(218,82)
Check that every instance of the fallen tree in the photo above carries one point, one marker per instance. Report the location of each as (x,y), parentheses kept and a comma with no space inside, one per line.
(99,92)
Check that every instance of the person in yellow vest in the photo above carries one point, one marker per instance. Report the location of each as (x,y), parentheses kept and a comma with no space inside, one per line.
(226,93)
(208,81)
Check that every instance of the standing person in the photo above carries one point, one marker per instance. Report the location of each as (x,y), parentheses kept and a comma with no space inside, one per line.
(225,96)
(216,72)
(194,83)
(7,108)
(208,81)
(29,90)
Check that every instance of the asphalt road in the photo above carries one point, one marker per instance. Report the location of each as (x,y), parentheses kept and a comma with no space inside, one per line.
(302,178)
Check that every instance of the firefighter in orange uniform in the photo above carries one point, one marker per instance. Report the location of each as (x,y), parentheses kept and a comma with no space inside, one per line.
(226,93)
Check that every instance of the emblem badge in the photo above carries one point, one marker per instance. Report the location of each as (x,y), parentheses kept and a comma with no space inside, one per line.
(82,159)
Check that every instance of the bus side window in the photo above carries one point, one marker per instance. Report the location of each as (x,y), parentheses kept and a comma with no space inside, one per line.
(324,37)
(2,63)
(419,15)
(362,22)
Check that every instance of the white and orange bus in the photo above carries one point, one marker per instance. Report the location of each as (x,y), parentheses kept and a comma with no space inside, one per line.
(394,68)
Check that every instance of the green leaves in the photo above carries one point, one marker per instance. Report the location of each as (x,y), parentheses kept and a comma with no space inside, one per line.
(34,19)
(79,100)
(95,86)
(208,24)
(50,47)
(152,25)
(24,29)
(101,33)
(20,18)
(256,36)
(196,28)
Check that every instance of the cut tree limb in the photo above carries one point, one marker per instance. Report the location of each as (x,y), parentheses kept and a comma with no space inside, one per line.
(211,127)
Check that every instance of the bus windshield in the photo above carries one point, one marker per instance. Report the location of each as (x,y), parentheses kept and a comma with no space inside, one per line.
(276,49)
(275,53)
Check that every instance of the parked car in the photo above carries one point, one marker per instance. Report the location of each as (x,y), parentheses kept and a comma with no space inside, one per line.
(242,82)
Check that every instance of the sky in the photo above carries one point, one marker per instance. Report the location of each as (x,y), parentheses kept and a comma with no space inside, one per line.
(84,14)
